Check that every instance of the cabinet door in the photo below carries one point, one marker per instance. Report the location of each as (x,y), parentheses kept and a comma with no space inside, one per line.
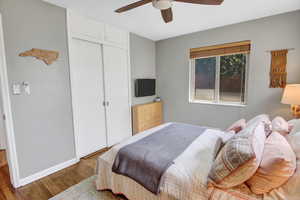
(116,36)
(88,95)
(86,28)
(116,75)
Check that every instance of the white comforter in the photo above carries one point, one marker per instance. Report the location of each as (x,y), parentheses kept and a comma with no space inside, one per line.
(186,179)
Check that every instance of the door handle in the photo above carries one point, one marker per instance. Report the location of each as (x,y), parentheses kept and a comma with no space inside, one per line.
(105,103)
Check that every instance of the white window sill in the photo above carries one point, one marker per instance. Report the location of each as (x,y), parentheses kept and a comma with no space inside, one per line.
(218,103)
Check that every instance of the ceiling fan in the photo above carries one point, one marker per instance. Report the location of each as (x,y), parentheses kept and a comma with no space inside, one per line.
(165,6)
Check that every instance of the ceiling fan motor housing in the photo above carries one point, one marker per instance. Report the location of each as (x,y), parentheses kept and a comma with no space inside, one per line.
(162,4)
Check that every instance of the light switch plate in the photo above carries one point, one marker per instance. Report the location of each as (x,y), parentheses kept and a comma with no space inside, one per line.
(16,89)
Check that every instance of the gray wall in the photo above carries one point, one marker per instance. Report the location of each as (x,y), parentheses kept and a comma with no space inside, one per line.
(276,32)
(42,120)
(142,53)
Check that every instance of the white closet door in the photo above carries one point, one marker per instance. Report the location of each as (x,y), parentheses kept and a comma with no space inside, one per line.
(88,95)
(118,113)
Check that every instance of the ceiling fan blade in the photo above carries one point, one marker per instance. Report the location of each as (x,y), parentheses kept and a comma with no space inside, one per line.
(167,15)
(133,5)
(206,2)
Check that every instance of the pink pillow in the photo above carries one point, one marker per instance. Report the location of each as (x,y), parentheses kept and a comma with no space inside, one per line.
(277,166)
(281,126)
(237,126)
(290,190)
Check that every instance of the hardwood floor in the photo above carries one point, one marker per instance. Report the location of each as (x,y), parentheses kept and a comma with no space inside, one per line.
(3,160)
(49,186)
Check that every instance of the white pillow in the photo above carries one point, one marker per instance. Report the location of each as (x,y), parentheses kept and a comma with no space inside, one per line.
(281,126)
(265,118)
(294,140)
(296,126)
(261,118)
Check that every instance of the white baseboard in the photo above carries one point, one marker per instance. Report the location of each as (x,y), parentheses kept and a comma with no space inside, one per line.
(47,172)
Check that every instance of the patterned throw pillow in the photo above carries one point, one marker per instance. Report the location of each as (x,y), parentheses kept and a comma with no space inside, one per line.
(240,157)
(277,166)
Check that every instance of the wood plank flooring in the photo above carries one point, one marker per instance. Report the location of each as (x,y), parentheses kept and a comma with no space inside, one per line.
(3,160)
(49,186)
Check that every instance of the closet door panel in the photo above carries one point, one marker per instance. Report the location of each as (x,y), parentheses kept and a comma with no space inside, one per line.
(84,27)
(116,36)
(88,95)
(118,113)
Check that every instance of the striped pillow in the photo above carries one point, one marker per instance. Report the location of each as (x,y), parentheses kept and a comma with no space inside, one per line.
(240,157)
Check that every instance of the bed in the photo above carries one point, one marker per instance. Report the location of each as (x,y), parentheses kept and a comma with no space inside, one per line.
(185,179)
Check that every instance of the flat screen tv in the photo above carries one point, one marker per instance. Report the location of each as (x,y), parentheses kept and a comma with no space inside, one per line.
(144,87)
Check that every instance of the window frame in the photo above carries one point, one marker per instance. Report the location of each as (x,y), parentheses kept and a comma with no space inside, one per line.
(217,83)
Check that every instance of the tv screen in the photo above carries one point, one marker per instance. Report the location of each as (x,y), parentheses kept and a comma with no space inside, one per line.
(144,87)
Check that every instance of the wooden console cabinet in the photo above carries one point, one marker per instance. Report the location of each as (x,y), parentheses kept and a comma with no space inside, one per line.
(146,116)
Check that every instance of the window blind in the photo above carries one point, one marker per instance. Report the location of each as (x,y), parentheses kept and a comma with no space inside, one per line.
(223,49)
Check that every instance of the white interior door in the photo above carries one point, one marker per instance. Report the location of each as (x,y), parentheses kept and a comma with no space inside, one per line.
(88,95)
(118,113)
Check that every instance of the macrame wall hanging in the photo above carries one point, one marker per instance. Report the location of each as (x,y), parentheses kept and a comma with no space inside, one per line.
(278,74)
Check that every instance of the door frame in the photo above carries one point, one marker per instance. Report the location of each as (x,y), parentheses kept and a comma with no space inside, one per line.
(8,122)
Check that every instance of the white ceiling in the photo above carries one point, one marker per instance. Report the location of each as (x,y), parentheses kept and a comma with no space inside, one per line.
(146,20)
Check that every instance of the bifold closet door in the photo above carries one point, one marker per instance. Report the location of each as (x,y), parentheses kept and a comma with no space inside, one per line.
(116,73)
(88,96)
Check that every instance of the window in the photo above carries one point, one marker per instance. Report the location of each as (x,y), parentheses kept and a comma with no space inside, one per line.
(219,78)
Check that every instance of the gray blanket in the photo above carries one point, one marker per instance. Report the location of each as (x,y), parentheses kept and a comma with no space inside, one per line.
(146,160)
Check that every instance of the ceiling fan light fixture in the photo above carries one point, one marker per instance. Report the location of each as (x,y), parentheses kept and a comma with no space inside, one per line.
(162,4)
(165,6)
